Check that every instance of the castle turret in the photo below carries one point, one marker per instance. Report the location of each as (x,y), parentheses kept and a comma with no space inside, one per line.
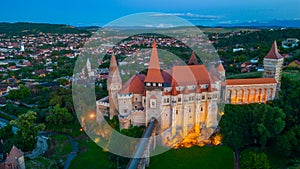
(221,71)
(154,77)
(114,84)
(193,60)
(273,62)
(174,99)
(154,87)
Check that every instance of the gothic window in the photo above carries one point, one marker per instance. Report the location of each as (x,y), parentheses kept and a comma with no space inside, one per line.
(201,108)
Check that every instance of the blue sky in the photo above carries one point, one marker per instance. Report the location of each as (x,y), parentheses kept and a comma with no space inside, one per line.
(100,12)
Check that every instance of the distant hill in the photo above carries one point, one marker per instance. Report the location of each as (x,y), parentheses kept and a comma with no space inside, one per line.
(266,24)
(23,28)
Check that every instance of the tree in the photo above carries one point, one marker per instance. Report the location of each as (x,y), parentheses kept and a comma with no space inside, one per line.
(251,160)
(242,125)
(6,132)
(62,81)
(28,130)
(20,94)
(58,115)
(289,142)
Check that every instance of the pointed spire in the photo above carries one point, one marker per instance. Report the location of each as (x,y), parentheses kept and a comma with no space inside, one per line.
(186,90)
(154,74)
(113,63)
(220,68)
(114,75)
(273,53)
(174,91)
(198,88)
(193,59)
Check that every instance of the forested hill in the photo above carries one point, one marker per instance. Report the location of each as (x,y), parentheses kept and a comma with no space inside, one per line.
(24,28)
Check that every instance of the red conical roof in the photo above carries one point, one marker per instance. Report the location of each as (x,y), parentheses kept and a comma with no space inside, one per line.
(193,59)
(273,53)
(114,75)
(113,63)
(154,74)
(186,90)
(198,89)
(220,68)
(174,91)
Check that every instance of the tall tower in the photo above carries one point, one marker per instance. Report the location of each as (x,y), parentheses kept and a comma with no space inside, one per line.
(154,87)
(273,62)
(114,84)
(193,60)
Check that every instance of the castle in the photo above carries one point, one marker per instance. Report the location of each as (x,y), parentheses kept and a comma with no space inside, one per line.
(184,97)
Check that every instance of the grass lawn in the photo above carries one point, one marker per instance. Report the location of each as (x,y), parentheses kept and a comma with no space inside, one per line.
(245,75)
(92,158)
(196,157)
(292,75)
(62,147)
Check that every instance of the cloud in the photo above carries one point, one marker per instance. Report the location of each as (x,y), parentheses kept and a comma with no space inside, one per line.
(188,15)
(160,25)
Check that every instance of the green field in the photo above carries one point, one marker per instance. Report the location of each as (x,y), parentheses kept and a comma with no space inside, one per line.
(92,158)
(244,75)
(196,157)
(292,75)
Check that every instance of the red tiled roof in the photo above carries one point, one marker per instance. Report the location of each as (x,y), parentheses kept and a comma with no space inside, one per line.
(193,59)
(154,74)
(134,85)
(167,76)
(250,81)
(13,154)
(273,53)
(189,75)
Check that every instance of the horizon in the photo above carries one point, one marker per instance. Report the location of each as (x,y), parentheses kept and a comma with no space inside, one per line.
(202,13)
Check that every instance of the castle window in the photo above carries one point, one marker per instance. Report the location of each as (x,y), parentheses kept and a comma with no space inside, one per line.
(152,103)
(148,84)
(179,99)
(190,110)
(154,84)
(176,112)
(168,100)
(203,97)
(201,108)
(160,84)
